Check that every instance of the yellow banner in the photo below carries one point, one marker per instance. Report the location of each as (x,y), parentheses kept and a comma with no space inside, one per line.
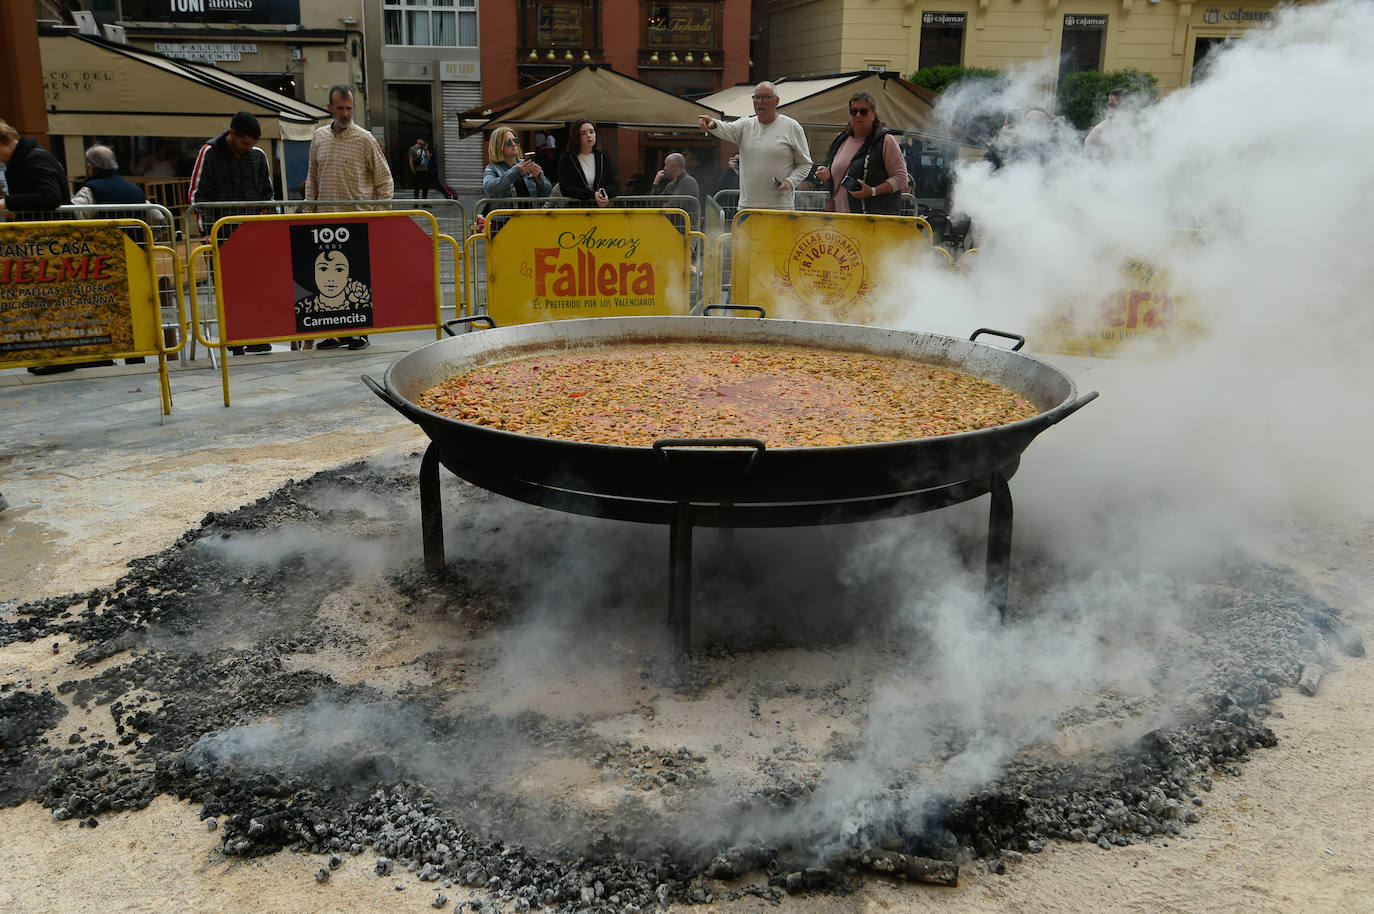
(551,264)
(1146,307)
(72,289)
(817,266)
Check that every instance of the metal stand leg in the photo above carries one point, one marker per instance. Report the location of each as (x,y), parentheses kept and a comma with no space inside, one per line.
(680,578)
(431,510)
(999,544)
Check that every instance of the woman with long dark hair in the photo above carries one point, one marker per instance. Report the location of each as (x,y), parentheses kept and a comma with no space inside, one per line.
(585,173)
(867,165)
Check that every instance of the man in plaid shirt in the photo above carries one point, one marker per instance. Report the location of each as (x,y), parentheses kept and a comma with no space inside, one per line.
(346,163)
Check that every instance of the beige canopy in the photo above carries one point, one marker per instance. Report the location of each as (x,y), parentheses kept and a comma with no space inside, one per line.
(96,87)
(822,102)
(594,92)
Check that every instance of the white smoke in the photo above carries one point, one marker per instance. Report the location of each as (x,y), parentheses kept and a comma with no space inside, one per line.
(1253,190)
(1266,157)
(1193,450)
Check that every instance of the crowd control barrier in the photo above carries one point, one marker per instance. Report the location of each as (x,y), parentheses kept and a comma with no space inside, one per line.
(822,266)
(448,215)
(549,264)
(700,249)
(79,290)
(163,228)
(1145,307)
(308,276)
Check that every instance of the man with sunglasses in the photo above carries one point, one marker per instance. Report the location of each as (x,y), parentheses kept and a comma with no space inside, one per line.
(773,154)
(866,164)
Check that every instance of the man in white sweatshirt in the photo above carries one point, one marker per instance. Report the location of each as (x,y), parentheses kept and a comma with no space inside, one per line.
(773,155)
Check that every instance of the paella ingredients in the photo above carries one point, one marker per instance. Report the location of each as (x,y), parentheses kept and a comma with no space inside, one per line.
(787,396)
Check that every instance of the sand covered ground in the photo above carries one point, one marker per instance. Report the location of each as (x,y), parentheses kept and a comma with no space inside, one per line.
(1218,484)
(1291,833)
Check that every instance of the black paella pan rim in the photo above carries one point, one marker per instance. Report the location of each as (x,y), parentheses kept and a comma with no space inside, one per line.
(713,472)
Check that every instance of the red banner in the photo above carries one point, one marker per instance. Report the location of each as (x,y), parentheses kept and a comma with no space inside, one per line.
(342,276)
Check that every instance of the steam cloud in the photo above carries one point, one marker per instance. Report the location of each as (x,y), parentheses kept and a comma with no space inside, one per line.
(1265,157)
(1253,190)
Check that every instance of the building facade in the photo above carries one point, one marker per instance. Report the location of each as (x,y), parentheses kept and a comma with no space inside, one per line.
(1168,38)
(414,64)
(296,47)
(690,48)
(423,65)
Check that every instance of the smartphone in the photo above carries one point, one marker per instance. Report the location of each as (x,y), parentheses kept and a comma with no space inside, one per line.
(529,157)
(850,183)
(777,183)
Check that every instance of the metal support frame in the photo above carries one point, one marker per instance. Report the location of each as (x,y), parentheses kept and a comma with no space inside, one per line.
(431,510)
(683,517)
(680,577)
(996,585)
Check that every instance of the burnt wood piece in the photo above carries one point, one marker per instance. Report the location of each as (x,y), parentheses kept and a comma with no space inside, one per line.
(917,869)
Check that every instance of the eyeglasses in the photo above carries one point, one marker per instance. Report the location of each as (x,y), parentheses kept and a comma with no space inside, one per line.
(860,112)
(512,141)
(765,98)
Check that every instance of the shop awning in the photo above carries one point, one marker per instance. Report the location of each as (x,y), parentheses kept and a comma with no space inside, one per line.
(823,102)
(97,87)
(597,93)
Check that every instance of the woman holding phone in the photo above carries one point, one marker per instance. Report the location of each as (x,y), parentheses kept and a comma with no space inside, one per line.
(866,163)
(510,174)
(585,173)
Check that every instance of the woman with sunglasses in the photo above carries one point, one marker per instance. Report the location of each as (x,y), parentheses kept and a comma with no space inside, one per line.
(866,163)
(585,173)
(508,175)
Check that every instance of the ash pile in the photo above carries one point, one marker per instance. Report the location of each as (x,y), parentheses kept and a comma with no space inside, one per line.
(512,731)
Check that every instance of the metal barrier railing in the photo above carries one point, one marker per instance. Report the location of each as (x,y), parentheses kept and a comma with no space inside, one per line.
(162,231)
(307,276)
(448,214)
(689,204)
(811,201)
(716,222)
(157,217)
(475,247)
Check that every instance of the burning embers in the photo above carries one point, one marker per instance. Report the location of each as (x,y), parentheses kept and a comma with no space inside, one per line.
(407,742)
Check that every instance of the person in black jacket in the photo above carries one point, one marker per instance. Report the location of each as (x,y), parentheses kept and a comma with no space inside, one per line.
(231,168)
(866,170)
(586,173)
(36,182)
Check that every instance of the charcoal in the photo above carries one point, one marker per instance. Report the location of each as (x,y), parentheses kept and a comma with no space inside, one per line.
(146,648)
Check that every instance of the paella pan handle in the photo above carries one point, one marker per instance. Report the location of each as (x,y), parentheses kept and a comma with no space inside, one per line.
(449,324)
(662,444)
(755,308)
(394,401)
(1075,406)
(1020,340)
